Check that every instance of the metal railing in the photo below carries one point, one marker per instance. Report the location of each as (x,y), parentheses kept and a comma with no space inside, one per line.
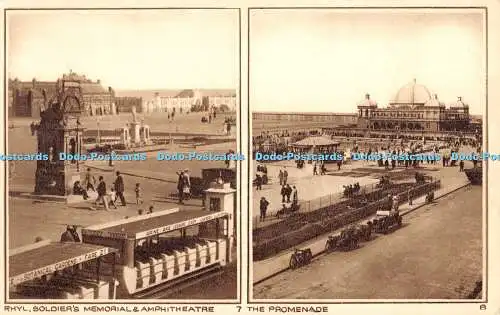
(331,199)
(288,238)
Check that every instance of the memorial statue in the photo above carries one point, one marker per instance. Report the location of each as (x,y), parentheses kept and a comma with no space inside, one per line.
(134,114)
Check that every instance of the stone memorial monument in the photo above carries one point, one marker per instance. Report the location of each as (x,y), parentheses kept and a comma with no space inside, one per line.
(135,137)
(60,132)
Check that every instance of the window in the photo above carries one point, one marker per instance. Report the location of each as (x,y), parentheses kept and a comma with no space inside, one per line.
(215,204)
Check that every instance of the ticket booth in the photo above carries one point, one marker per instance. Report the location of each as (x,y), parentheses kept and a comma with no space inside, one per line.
(220,198)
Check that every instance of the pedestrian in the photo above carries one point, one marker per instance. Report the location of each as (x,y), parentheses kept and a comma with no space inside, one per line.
(111,154)
(285,176)
(151,208)
(120,188)
(395,203)
(140,212)
(410,197)
(461,166)
(180,186)
(281,177)
(295,195)
(187,184)
(89,180)
(288,192)
(283,193)
(138,194)
(258,181)
(315,169)
(323,169)
(263,208)
(101,193)
(112,198)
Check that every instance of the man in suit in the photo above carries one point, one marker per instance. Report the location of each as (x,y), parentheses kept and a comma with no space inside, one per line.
(120,188)
(101,193)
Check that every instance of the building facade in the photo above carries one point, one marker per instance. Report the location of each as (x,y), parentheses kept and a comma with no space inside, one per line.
(414,109)
(124,104)
(27,97)
(187,100)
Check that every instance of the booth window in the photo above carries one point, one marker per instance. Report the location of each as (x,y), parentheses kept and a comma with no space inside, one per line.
(215,204)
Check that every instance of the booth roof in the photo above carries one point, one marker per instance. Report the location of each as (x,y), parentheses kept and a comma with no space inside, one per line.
(315,141)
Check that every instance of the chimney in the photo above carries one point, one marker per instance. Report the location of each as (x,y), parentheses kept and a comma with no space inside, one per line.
(33,82)
(367,96)
(414,80)
(435,96)
(459,98)
(98,81)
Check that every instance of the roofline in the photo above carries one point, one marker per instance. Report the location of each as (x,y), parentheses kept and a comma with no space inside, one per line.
(306,113)
(132,219)
(28,247)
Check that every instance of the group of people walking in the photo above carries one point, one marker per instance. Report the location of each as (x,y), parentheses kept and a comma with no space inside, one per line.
(107,198)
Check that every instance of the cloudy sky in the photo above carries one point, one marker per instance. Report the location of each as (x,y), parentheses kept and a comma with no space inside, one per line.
(326,60)
(130,49)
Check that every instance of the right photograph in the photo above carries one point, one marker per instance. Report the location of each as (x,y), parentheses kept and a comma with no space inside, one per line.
(368,133)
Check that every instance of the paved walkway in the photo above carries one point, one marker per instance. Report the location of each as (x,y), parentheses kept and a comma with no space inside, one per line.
(269,267)
(317,191)
(426,259)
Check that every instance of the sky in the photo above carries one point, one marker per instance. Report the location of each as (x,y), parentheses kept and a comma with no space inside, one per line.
(326,60)
(127,49)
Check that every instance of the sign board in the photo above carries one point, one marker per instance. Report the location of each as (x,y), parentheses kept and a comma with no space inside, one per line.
(30,275)
(98,233)
(180,225)
(155,231)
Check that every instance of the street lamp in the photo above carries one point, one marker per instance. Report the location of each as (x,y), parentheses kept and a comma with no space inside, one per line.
(98,131)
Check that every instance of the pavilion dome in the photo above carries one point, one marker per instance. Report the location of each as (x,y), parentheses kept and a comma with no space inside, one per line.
(434,102)
(459,103)
(412,94)
(367,101)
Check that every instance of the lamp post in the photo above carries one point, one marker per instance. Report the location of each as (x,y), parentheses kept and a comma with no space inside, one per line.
(98,131)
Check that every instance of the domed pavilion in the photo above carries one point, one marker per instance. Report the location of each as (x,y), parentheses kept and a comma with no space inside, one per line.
(413,110)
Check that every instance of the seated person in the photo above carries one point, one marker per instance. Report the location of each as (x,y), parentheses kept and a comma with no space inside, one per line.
(70,235)
(78,190)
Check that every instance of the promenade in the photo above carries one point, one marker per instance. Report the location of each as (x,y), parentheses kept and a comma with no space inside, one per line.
(451,181)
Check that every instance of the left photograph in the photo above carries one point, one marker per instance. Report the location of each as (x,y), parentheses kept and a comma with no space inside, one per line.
(121,132)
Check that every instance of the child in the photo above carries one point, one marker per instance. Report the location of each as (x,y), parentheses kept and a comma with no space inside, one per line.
(138,195)
(112,198)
